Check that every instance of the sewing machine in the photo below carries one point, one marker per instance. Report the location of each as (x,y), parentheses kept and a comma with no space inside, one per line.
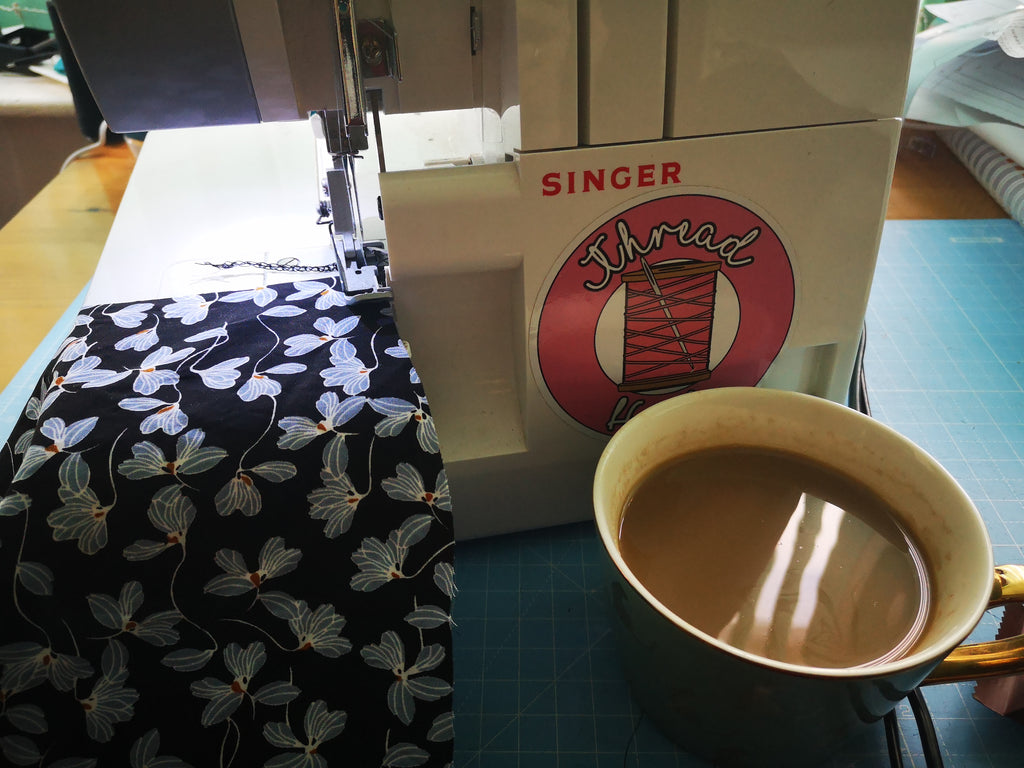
(629,201)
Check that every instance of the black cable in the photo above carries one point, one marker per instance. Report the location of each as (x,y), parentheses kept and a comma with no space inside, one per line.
(926,729)
(630,744)
(858,392)
(892,739)
(858,400)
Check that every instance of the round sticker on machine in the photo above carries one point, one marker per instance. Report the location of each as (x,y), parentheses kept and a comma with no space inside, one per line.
(675,294)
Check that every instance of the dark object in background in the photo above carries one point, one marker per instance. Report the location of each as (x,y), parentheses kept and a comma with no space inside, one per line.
(86,109)
(25,46)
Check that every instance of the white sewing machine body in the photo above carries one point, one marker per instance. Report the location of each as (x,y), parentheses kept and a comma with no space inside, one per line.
(675,196)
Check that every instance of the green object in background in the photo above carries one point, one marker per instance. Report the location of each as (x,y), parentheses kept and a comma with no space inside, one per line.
(26,13)
(925,20)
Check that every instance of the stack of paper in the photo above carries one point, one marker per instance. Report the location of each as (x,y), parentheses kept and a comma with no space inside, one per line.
(970,69)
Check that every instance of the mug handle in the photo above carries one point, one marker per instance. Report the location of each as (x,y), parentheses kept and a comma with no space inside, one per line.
(996,657)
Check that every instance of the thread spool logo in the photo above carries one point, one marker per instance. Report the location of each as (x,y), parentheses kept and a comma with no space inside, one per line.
(675,294)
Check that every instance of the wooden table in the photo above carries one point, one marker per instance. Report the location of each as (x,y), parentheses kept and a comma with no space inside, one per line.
(49,250)
(931,183)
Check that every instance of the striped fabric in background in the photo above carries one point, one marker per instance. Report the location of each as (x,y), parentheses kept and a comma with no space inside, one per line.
(999,174)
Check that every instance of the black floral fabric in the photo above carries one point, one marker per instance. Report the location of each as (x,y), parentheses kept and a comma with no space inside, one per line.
(226,540)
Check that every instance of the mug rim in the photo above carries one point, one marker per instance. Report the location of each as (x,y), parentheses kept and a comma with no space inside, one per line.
(748,397)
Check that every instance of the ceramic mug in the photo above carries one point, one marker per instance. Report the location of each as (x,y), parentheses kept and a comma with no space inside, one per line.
(737,708)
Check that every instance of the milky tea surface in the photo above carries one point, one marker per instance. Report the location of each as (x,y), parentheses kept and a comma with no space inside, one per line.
(779,556)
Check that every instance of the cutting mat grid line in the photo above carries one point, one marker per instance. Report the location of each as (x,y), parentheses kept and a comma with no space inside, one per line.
(538,683)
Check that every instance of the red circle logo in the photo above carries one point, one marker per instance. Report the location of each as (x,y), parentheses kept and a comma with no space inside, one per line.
(675,294)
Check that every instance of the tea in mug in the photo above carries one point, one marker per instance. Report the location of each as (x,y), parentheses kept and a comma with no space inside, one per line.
(777,555)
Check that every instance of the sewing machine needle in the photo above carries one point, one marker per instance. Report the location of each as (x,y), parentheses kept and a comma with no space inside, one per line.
(377,133)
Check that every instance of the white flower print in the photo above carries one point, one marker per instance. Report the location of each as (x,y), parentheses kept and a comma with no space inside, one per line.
(140,341)
(338,499)
(33,407)
(222,375)
(274,560)
(398,413)
(259,296)
(330,331)
(401,352)
(84,371)
(172,514)
(335,503)
(73,348)
(110,702)
(82,517)
(428,617)
(219,334)
(47,397)
(130,316)
(225,698)
(240,493)
(348,371)
(88,373)
(188,659)
(147,461)
(189,309)
(62,436)
(27,664)
(66,436)
(169,418)
(156,629)
(144,753)
(351,374)
(389,654)
(260,383)
(151,377)
(380,562)
(444,578)
(257,386)
(320,631)
(19,749)
(191,458)
(403,753)
(23,443)
(283,310)
(320,725)
(341,350)
(443,727)
(35,577)
(115,560)
(299,431)
(327,296)
(408,485)
(14,503)
(316,630)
